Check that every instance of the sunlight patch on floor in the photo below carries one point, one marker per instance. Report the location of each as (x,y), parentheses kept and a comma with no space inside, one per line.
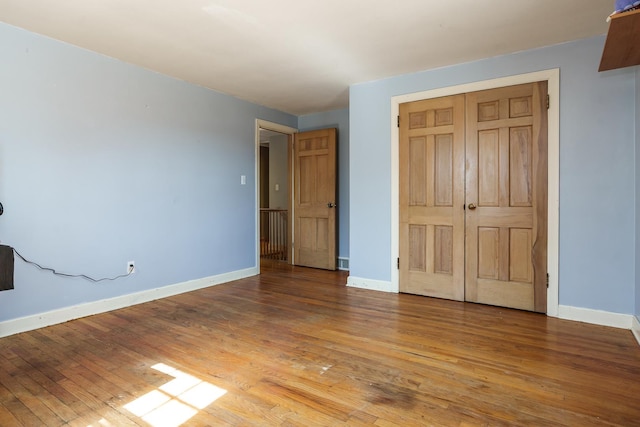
(175,402)
(102,423)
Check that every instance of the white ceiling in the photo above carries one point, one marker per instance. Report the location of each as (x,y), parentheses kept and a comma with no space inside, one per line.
(300,56)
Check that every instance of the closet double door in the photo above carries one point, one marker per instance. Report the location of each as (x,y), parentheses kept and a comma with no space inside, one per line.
(473,197)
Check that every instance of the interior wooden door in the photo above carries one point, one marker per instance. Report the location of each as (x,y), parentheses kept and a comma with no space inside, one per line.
(432,197)
(315,199)
(506,196)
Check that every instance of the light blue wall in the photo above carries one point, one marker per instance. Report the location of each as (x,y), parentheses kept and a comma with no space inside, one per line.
(597,193)
(338,119)
(102,162)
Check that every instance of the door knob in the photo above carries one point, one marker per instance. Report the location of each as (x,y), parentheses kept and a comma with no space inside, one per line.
(331,205)
(472,206)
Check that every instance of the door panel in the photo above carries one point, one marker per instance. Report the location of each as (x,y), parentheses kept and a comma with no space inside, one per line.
(488,154)
(315,199)
(506,179)
(432,197)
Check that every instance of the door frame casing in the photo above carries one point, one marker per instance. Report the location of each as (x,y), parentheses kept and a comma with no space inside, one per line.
(552,76)
(287,130)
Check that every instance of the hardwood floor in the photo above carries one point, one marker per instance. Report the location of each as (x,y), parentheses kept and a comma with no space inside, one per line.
(295,347)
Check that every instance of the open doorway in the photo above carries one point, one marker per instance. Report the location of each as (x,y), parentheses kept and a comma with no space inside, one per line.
(274,192)
(305,216)
(275,217)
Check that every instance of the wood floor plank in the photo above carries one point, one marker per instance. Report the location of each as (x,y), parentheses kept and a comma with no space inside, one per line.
(23,414)
(7,418)
(295,347)
(36,384)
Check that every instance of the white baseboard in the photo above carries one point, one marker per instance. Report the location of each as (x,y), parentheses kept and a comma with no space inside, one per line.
(62,315)
(596,317)
(374,285)
(635,328)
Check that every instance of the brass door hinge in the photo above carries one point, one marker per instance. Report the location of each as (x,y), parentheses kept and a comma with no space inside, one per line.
(548,101)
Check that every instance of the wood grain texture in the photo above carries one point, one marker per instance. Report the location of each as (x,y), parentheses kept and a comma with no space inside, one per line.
(295,347)
(315,187)
(506,155)
(431,197)
(622,47)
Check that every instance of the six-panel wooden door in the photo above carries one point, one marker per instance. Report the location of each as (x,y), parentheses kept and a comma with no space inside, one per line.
(507,183)
(432,197)
(488,236)
(315,199)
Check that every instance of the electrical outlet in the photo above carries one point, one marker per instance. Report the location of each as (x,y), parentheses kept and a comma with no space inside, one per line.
(131,267)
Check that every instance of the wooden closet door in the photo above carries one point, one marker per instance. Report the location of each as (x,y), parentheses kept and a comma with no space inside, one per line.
(506,197)
(432,197)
